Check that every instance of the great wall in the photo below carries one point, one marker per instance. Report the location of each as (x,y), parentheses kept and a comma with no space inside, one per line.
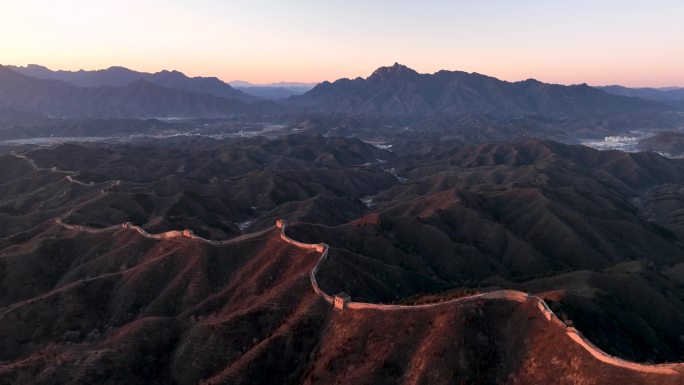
(343,302)
(70,175)
(107,186)
(510,295)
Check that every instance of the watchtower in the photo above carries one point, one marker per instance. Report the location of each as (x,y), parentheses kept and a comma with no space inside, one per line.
(341,300)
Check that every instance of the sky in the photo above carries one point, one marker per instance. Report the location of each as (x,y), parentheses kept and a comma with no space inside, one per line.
(633,43)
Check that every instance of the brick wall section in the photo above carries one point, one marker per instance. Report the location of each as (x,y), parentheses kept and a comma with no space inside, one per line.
(509,295)
(318,247)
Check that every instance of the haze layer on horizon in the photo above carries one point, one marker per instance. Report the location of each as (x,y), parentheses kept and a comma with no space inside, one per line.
(633,43)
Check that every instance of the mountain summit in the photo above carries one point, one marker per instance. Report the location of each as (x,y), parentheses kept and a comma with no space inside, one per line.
(394,72)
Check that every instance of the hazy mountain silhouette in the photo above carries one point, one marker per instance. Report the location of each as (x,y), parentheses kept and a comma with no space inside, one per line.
(394,94)
(401,91)
(121,76)
(673,96)
(138,99)
(272,92)
(294,85)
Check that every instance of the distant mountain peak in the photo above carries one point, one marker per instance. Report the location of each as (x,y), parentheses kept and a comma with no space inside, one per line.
(36,66)
(392,72)
(110,70)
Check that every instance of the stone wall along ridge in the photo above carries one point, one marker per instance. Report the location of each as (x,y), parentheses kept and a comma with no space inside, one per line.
(508,295)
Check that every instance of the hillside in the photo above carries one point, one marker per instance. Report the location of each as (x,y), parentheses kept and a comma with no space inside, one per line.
(122,308)
(507,214)
(671,143)
(214,187)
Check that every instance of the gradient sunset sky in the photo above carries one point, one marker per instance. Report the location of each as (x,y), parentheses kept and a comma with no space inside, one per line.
(634,43)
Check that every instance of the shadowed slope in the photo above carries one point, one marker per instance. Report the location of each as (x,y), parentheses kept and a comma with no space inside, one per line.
(178,294)
(530,215)
(244,313)
(220,189)
(503,215)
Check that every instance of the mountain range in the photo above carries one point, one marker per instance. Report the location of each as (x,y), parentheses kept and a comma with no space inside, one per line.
(117,76)
(140,98)
(673,96)
(401,91)
(273,91)
(121,76)
(395,93)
